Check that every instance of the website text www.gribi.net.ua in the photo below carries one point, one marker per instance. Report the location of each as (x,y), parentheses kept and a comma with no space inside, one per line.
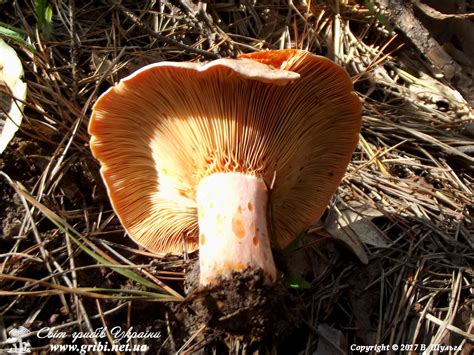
(124,340)
(101,340)
(98,347)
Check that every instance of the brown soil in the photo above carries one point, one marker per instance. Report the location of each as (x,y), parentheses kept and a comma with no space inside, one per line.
(241,307)
(16,162)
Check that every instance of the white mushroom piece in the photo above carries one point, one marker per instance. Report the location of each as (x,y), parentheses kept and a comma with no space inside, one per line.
(230,157)
(12,94)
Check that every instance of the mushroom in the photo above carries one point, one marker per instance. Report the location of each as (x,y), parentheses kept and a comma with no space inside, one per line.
(12,94)
(232,157)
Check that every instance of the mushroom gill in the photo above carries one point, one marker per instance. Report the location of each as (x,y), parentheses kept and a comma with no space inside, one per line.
(287,117)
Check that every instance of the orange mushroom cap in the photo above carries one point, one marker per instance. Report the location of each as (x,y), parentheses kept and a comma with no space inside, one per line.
(287,114)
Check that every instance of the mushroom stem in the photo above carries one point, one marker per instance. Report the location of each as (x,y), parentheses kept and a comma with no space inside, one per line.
(233,235)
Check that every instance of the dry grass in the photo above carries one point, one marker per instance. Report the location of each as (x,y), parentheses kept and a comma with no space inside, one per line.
(64,260)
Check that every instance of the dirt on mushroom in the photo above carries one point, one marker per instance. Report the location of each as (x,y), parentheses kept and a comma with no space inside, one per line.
(243,306)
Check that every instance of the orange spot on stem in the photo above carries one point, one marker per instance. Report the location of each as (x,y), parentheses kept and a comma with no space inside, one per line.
(255,240)
(238,227)
(250,206)
(202,238)
(231,266)
(239,266)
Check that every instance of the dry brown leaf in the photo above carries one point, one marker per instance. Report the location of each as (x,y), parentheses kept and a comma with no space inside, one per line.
(352,224)
(331,341)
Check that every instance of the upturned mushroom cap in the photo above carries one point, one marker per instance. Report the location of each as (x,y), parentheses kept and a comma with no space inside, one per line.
(288,116)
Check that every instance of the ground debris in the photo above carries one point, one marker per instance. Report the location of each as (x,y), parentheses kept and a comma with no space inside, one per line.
(414,166)
(242,306)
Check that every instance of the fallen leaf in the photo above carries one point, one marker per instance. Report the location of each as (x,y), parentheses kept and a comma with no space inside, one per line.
(331,341)
(359,217)
(352,225)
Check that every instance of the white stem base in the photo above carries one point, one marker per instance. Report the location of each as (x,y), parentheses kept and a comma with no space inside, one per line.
(233,235)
